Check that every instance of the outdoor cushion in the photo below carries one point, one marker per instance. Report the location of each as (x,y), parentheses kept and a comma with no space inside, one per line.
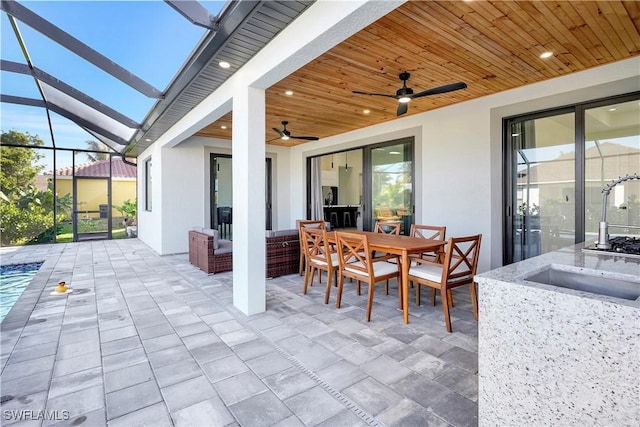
(215,234)
(379,268)
(281,233)
(434,273)
(224,247)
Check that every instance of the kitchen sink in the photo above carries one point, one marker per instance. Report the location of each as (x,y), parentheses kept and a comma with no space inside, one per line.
(594,283)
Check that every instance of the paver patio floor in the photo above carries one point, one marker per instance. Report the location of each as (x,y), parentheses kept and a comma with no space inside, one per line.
(151,340)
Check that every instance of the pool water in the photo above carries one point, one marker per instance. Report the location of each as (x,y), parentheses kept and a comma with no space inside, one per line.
(14,278)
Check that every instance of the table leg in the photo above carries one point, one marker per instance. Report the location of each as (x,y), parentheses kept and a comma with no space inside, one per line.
(405,286)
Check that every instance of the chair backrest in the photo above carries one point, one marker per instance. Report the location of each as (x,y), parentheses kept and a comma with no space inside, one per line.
(431,232)
(402,211)
(317,250)
(353,251)
(388,227)
(461,259)
(309,224)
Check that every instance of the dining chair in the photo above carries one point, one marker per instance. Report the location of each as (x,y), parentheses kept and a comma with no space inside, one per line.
(319,256)
(384,213)
(310,224)
(458,269)
(387,227)
(434,232)
(355,261)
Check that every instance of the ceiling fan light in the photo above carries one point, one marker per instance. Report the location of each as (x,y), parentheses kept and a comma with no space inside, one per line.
(404,99)
(285,137)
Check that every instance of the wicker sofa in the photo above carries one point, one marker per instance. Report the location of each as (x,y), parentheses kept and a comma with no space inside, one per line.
(214,255)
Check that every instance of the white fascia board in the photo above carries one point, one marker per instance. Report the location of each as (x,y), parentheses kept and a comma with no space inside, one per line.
(325,24)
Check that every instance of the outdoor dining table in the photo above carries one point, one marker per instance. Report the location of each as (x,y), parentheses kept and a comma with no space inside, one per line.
(402,246)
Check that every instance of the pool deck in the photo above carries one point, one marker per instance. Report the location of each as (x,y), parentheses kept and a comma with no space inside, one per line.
(151,340)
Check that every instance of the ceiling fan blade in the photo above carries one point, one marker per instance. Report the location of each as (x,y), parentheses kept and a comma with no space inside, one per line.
(279,132)
(308,138)
(374,94)
(441,89)
(402,108)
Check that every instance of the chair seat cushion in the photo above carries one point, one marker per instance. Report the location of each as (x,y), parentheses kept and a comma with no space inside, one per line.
(334,260)
(379,268)
(426,272)
(224,247)
(433,273)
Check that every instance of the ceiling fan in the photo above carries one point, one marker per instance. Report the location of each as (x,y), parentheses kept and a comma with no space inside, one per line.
(285,134)
(405,94)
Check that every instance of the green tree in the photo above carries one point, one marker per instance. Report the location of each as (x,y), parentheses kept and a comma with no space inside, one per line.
(26,213)
(19,166)
(101,151)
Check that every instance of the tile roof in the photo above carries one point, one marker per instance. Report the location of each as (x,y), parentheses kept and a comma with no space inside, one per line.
(119,169)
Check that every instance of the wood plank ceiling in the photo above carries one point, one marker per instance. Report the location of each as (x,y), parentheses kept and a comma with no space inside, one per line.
(493,46)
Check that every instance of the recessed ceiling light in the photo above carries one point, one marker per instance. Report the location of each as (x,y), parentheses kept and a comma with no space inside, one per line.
(612,109)
(394,152)
(288,92)
(515,134)
(366,111)
(223,127)
(546,55)
(224,64)
(148,139)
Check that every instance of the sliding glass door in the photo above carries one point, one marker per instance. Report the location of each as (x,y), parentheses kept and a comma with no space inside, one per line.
(222,194)
(543,184)
(557,164)
(372,183)
(612,150)
(389,184)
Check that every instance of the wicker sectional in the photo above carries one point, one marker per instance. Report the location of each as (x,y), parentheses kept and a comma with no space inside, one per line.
(282,252)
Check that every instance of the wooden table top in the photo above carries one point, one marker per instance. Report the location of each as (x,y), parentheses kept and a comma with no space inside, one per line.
(392,243)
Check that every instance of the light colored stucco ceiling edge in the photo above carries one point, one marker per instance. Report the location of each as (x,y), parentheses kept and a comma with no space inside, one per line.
(273,54)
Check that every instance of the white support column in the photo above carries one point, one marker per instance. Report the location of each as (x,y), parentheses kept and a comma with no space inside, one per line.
(248,199)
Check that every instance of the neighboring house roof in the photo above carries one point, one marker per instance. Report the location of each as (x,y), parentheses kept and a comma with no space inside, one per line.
(605,164)
(119,169)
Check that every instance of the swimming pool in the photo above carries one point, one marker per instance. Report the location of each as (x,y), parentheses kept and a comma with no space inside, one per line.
(14,278)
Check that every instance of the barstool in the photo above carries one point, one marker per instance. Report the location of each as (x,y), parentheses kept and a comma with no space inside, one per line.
(346,219)
(333,219)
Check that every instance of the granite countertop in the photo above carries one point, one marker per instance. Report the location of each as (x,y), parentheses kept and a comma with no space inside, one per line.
(574,260)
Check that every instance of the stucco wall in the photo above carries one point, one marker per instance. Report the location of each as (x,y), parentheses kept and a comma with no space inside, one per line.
(459,175)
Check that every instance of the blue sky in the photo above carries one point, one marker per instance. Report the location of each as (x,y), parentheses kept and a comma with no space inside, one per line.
(148,38)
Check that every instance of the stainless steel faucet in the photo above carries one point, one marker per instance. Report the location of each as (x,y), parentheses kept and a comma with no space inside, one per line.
(603,230)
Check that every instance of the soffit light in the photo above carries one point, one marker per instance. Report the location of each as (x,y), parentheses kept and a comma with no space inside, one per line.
(224,64)
(288,92)
(147,139)
(366,111)
(546,55)
(394,152)
(223,127)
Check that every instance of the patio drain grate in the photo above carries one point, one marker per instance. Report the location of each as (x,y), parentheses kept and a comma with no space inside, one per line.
(346,401)
(352,406)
